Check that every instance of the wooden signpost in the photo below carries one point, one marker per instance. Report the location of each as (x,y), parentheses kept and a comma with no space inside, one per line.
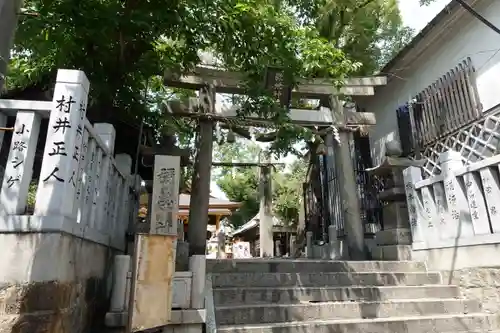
(154,255)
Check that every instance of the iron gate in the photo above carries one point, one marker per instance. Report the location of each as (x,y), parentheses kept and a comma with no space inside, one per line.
(324,208)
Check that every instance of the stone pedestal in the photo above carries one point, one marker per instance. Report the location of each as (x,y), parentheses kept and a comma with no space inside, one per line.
(182,256)
(394,241)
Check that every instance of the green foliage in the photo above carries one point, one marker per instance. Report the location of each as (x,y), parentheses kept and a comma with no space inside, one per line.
(125,47)
(367,31)
(239,184)
(122,44)
(242,187)
(394,42)
(287,192)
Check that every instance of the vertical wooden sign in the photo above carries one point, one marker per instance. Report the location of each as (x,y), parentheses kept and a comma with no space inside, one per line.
(154,264)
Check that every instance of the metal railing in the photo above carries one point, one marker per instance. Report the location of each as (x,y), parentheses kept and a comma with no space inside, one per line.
(323,206)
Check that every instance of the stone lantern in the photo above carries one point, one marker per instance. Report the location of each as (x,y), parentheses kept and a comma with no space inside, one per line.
(394,239)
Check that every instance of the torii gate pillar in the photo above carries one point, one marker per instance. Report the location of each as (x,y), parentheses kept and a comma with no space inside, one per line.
(353,225)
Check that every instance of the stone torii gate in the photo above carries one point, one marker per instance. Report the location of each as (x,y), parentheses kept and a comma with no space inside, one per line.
(210,80)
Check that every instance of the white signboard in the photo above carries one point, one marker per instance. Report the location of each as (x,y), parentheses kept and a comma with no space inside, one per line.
(241,250)
(165,204)
(212,247)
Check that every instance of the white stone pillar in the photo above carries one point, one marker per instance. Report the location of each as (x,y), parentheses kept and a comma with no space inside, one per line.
(3,123)
(107,134)
(456,198)
(309,245)
(221,243)
(412,175)
(333,245)
(96,183)
(83,179)
(277,248)
(293,241)
(449,162)
(59,174)
(197,265)
(121,269)
(19,168)
(87,199)
(491,186)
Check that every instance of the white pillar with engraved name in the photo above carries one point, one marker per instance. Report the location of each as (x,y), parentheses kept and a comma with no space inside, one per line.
(19,168)
(60,167)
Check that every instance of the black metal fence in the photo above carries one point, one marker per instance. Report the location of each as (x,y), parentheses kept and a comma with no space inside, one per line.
(324,207)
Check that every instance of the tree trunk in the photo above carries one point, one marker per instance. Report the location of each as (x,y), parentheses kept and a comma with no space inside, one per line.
(9,10)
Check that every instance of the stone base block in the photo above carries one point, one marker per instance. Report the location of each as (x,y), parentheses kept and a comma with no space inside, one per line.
(180,318)
(181,287)
(370,245)
(395,216)
(320,251)
(191,328)
(392,252)
(336,251)
(399,236)
(52,306)
(116,319)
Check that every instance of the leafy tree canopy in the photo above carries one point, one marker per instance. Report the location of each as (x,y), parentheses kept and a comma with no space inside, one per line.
(125,46)
(367,31)
(121,45)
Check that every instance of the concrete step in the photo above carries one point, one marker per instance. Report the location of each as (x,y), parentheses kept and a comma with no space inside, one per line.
(236,296)
(282,313)
(305,265)
(422,324)
(314,279)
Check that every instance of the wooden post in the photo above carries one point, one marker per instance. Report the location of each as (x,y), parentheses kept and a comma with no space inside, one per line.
(265,213)
(9,10)
(217,222)
(348,189)
(155,252)
(200,185)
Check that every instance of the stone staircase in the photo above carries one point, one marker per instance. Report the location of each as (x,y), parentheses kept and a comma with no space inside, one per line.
(305,296)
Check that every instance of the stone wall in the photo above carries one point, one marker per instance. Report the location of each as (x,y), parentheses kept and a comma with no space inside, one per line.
(482,283)
(52,283)
(475,268)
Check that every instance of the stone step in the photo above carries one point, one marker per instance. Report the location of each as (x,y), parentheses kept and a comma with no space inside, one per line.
(229,296)
(305,265)
(313,279)
(8,322)
(422,324)
(281,313)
